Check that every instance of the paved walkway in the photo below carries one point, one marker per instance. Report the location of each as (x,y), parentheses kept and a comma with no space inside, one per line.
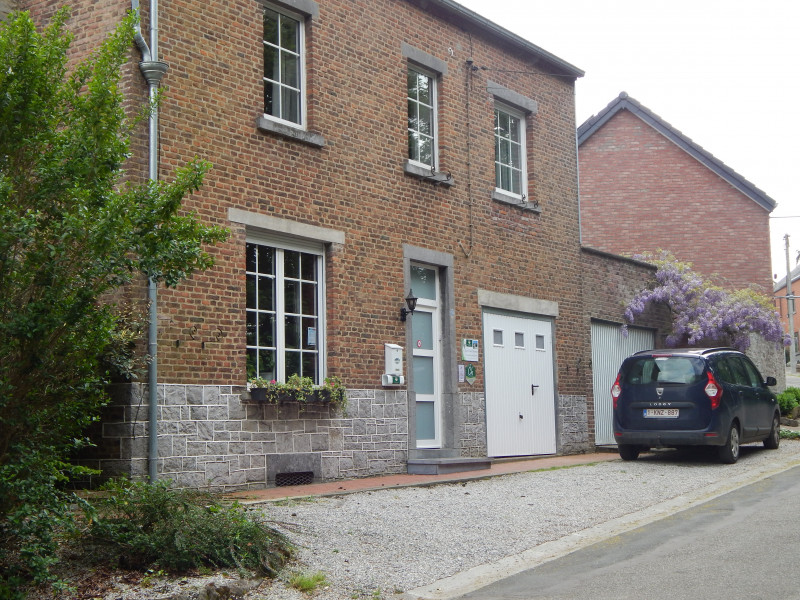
(348,486)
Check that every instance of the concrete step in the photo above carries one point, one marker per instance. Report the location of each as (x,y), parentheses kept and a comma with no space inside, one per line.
(442,466)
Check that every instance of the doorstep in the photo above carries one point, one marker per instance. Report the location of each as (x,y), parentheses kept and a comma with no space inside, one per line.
(443,466)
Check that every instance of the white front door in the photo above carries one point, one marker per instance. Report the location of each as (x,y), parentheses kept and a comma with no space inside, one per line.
(426,356)
(520,385)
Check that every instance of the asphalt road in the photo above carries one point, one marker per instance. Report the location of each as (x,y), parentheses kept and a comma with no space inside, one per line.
(743,544)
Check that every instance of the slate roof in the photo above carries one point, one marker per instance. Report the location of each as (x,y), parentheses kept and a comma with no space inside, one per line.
(625,102)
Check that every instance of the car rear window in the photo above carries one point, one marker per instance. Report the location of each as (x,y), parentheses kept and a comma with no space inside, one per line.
(664,369)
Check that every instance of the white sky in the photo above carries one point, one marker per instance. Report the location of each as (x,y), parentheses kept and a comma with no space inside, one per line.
(723,72)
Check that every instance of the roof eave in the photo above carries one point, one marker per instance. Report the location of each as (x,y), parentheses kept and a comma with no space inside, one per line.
(625,102)
(504,34)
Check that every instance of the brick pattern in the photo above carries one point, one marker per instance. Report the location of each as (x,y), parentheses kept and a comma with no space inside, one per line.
(640,192)
(355,184)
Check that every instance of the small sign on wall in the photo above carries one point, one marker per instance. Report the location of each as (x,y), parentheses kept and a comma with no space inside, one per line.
(469,350)
(471,374)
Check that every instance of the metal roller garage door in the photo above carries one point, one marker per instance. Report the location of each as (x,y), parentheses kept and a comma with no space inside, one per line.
(609,349)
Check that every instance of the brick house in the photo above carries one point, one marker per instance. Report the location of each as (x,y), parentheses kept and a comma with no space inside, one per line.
(645,186)
(360,150)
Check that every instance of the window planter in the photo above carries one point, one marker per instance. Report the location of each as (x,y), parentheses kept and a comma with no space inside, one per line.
(301,390)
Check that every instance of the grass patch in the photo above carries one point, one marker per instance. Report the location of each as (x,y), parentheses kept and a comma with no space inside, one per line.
(307,582)
(295,501)
(790,434)
(559,468)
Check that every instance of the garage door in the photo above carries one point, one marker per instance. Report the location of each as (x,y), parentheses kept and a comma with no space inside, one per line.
(520,385)
(609,349)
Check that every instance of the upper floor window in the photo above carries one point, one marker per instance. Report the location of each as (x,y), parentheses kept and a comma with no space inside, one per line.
(421,117)
(509,151)
(283,66)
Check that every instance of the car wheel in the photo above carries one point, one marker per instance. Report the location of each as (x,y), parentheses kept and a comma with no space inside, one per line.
(729,453)
(773,440)
(629,451)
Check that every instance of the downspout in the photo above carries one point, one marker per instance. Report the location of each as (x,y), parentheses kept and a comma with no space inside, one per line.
(153,70)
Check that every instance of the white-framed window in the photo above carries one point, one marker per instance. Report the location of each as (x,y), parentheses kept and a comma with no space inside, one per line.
(421,117)
(509,151)
(284,72)
(285,322)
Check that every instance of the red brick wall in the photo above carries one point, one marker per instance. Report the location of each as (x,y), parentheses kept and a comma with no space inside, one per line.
(356,82)
(641,192)
(609,283)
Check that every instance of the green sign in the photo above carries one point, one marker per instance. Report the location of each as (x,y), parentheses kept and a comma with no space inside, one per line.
(471,374)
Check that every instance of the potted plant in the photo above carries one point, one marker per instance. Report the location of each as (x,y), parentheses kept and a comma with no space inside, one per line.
(259,387)
(332,390)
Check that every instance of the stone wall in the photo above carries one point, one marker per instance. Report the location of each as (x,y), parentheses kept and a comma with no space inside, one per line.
(214,437)
(573,425)
(770,360)
(472,429)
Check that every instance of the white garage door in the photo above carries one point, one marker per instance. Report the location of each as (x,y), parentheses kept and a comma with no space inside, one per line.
(609,349)
(520,385)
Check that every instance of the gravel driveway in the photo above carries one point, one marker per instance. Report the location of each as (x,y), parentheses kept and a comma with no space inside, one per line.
(380,544)
(436,542)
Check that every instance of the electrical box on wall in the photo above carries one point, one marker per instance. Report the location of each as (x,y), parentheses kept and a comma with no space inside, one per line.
(393,365)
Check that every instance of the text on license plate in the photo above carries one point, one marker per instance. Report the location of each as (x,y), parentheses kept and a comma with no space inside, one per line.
(661,413)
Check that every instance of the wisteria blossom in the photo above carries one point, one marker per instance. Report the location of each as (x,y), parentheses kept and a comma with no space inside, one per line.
(704,313)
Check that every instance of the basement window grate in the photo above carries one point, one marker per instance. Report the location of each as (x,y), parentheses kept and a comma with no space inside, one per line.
(299,478)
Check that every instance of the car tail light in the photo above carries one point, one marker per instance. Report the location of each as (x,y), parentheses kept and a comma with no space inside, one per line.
(616,390)
(713,390)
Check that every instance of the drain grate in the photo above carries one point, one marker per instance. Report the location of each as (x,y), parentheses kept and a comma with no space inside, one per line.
(299,478)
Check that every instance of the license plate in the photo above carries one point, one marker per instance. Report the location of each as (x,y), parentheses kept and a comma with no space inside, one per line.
(661,413)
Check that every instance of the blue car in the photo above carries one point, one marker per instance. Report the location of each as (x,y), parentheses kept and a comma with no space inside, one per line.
(693,397)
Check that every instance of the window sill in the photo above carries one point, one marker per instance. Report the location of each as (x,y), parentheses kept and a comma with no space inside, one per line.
(499,196)
(428,174)
(306,137)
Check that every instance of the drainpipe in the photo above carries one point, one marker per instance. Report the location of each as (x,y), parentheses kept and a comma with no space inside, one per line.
(153,70)
(790,307)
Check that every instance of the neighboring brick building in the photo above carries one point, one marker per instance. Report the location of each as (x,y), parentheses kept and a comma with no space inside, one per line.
(645,186)
(782,304)
(354,159)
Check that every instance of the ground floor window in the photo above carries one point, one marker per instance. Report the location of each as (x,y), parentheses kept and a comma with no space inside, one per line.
(284,324)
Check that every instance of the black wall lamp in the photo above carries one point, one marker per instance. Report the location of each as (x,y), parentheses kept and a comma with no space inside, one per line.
(411,302)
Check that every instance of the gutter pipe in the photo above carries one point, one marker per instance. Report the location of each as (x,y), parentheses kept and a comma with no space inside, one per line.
(153,70)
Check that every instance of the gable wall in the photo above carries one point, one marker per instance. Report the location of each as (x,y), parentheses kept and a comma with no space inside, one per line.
(640,192)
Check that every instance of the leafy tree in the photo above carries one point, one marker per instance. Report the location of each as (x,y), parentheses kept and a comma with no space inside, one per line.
(71,233)
(702,312)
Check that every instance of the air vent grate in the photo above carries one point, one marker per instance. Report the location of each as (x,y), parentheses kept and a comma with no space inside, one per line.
(299,478)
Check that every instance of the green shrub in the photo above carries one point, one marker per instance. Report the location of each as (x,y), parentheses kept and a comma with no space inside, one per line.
(140,525)
(787,402)
(789,399)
